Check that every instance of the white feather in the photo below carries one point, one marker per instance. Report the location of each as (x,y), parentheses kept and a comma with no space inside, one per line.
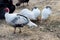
(32,15)
(45,13)
(32,25)
(28,13)
(36,12)
(10,17)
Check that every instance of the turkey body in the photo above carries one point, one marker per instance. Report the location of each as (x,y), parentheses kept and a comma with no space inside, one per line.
(28,13)
(32,15)
(17,21)
(46,12)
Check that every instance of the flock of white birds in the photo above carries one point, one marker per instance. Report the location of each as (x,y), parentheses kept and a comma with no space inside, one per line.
(25,16)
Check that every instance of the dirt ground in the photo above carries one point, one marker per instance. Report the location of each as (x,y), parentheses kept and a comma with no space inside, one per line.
(49,31)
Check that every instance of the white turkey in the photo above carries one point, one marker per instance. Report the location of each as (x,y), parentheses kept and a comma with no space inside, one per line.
(32,15)
(17,20)
(27,13)
(36,12)
(46,12)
